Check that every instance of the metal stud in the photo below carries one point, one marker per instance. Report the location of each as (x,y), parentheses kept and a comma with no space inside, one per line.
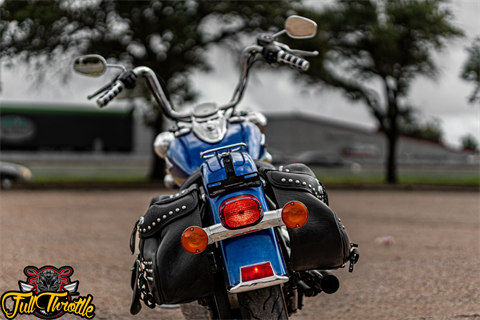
(140,222)
(304,183)
(164,217)
(283,179)
(144,230)
(183,191)
(171,196)
(177,210)
(158,219)
(170,213)
(149,228)
(154,224)
(184,207)
(286,170)
(297,181)
(290,180)
(309,185)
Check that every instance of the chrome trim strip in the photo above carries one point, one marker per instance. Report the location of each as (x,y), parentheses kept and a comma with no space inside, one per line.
(217,232)
(258,284)
(228,148)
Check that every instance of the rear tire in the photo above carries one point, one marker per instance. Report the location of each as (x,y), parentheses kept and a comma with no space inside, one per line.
(263,304)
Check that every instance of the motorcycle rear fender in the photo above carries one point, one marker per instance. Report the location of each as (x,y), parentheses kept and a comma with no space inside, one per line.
(249,249)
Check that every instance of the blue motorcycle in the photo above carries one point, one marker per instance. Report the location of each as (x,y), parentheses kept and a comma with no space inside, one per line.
(244,239)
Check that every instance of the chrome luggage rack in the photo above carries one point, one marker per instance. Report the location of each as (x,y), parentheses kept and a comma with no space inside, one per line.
(229,148)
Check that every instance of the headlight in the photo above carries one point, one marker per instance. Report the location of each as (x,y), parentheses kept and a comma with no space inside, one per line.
(27,174)
(162,141)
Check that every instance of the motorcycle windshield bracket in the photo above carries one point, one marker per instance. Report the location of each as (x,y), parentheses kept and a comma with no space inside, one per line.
(230,148)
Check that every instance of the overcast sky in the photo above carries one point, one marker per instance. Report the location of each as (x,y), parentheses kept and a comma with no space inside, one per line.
(271,91)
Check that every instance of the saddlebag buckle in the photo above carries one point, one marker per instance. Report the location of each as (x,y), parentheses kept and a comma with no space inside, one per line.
(354,256)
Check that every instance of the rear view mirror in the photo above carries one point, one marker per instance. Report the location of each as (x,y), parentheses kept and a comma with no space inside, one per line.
(91,65)
(300,28)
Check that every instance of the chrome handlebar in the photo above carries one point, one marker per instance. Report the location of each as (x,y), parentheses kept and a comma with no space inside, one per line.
(237,97)
(159,95)
(284,56)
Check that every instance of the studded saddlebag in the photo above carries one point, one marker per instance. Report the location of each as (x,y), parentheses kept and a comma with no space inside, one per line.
(322,243)
(164,272)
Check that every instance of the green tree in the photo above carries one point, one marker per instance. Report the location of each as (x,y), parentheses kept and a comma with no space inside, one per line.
(469,142)
(167,36)
(373,50)
(471,70)
(430,129)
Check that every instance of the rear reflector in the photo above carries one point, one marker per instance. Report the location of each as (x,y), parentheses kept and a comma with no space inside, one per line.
(194,240)
(258,271)
(294,214)
(240,212)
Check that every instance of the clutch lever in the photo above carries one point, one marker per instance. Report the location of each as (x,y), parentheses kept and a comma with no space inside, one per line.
(102,89)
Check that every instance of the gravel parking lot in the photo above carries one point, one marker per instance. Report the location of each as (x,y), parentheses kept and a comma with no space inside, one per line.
(431,272)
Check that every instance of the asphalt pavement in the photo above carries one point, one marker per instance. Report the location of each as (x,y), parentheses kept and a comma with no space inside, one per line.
(420,251)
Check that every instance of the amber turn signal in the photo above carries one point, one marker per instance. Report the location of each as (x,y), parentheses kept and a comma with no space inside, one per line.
(294,214)
(194,240)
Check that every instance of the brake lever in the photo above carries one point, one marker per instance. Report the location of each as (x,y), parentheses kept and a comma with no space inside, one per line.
(298,53)
(102,89)
(302,53)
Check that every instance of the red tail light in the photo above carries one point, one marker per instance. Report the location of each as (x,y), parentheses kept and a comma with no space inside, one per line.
(240,212)
(258,271)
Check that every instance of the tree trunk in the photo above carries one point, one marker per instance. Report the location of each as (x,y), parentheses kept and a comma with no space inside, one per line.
(392,132)
(157,168)
(391,167)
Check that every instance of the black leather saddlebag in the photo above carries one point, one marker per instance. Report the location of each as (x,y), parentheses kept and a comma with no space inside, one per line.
(164,272)
(322,243)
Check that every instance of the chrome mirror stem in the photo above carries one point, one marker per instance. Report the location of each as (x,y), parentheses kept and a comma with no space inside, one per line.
(278,34)
(117,66)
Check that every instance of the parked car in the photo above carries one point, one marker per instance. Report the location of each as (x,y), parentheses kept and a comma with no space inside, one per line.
(10,173)
(320,158)
(278,157)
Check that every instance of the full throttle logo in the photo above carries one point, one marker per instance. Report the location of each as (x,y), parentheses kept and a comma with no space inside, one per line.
(48,294)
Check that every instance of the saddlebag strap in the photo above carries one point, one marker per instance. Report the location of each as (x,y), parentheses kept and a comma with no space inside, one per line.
(135,306)
(295,182)
(163,210)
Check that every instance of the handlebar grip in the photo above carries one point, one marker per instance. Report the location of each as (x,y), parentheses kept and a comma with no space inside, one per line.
(110,94)
(292,60)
